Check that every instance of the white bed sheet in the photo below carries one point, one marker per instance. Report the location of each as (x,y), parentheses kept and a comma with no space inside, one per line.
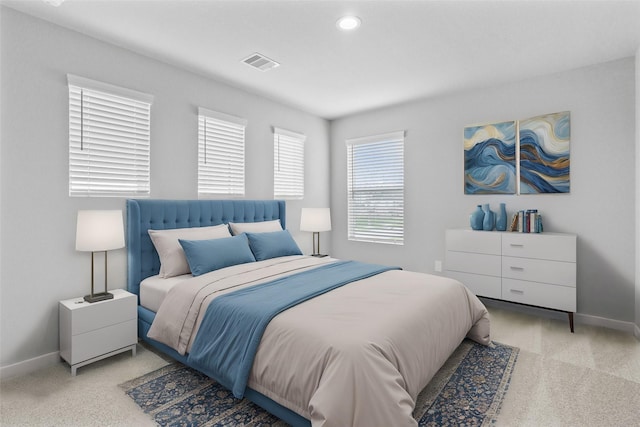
(154,289)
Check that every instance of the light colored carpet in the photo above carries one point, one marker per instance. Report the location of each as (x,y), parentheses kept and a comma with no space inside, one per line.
(590,378)
(52,397)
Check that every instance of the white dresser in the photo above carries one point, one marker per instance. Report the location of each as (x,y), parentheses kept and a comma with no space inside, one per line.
(537,269)
(93,331)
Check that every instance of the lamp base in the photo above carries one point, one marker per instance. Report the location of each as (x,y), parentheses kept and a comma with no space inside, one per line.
(98,297)
(319,255)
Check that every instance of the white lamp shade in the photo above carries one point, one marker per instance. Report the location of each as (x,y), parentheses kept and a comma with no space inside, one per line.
(315,219)
(99,231)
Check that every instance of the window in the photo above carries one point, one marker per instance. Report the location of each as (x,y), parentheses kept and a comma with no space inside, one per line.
(288,164)
(375,180)
(220,154)
(109,134)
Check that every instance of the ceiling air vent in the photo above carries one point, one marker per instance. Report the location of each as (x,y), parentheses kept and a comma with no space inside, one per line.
(261,62)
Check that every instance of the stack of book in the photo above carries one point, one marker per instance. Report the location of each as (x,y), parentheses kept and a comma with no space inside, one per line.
(529,221)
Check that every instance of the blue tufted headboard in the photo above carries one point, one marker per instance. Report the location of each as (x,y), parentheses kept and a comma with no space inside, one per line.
(145,214)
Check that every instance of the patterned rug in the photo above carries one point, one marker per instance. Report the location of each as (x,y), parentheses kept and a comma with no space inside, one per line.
(467,390)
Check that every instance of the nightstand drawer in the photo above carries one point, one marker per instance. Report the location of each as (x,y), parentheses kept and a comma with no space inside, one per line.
(540,294)
(91,316)
(536,270)
(95,343)
(540,246)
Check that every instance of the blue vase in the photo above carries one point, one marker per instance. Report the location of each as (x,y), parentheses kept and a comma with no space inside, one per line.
(489,220)
(476,218)
(501,218)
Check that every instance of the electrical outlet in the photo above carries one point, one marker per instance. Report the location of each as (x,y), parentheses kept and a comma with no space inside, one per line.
(438,266)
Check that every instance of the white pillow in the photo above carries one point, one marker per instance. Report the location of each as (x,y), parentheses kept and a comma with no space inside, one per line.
(255,227)
(173,262)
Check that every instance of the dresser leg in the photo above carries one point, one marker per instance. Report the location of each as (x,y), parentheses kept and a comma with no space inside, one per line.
(571,320)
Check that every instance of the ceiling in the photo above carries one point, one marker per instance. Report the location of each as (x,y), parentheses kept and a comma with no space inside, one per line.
(404,50)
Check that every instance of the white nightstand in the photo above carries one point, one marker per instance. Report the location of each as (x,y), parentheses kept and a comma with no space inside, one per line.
(93,331)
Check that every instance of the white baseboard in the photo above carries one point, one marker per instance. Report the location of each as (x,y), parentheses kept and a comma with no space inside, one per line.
(620,325)
(579,318)
(29,366)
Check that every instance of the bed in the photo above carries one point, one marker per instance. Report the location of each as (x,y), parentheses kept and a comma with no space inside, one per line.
(357,352)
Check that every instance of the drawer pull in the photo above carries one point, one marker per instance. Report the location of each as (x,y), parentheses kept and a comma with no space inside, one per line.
(516,245)
(517,268)
(516,291)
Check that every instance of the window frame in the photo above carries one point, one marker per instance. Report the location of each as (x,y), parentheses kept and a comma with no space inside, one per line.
(230,129)
(382,224)
(109,151)
(288,179)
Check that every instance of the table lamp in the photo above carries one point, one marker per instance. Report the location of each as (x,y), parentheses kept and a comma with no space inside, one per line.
(315,220)
(99,231)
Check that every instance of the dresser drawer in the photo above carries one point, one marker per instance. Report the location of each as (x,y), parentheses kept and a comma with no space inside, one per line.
(473,241)
(541,246)
(536,270)
(485,286)
(473,263)
(539,294)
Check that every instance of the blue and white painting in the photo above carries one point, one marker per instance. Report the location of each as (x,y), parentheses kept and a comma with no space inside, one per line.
(544,153)
(490,158)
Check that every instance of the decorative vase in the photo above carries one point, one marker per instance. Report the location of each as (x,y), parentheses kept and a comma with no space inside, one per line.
(501,218)
(489,220)
(476,218)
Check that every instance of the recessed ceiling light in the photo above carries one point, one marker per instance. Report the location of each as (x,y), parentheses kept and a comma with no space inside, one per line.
(348,23)
(54,2)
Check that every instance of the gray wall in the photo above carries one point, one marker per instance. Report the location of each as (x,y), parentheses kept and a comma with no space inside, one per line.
(637,258)
(39,263)
(599,209)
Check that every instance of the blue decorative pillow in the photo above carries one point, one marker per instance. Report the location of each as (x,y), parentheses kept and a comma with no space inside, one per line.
(204,256)
(272,245)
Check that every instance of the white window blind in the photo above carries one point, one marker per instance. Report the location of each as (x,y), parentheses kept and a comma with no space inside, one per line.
(109,139)
(220,154)
(288,164)
(375,180)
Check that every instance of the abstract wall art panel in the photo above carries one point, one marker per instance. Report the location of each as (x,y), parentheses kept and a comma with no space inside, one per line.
(544,153)
(490,158)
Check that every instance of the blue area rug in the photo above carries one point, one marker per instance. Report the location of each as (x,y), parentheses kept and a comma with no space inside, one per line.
(467,390)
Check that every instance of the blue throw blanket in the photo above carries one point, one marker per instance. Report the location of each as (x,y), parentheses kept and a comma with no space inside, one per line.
(233,325)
